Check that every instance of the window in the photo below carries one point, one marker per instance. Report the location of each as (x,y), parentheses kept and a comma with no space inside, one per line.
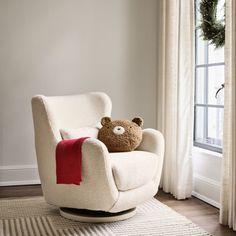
(209,76)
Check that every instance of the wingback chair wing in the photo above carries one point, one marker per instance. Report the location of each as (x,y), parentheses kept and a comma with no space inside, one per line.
(112,182)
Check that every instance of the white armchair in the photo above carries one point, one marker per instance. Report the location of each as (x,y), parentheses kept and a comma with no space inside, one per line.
(112,182)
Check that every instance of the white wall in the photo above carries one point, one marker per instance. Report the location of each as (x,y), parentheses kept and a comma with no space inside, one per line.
(207,167)
(57,47)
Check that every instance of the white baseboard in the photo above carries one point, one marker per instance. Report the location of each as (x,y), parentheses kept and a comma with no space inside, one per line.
(19,175)
(206,199)
(207,190)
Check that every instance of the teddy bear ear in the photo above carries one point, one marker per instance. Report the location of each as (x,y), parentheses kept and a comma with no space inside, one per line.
(105,120)
(138,121)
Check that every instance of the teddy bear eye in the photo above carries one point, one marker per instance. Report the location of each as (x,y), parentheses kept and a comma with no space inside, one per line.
(130,127)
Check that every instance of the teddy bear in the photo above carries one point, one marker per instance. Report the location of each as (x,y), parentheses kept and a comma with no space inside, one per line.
(121,135)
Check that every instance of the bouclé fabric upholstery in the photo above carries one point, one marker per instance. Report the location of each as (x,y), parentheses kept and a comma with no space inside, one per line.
(111,182)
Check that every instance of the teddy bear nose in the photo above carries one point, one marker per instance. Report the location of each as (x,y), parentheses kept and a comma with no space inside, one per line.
(118,130)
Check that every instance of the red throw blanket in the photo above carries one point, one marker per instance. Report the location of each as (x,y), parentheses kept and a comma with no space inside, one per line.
(69,161)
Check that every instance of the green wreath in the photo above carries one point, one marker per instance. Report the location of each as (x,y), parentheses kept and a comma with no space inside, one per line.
(212,30)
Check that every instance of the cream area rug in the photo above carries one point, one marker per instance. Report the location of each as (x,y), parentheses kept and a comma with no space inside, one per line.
(34,217)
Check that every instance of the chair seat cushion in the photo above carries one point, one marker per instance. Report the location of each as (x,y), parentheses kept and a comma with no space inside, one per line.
(133,169)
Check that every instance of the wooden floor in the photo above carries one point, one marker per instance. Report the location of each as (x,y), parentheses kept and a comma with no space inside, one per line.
(201,213)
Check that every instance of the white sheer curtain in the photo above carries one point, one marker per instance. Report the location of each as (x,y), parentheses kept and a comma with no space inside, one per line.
(228,188)
(175,94)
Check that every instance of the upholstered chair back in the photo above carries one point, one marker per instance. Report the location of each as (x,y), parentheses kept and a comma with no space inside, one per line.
(50,114)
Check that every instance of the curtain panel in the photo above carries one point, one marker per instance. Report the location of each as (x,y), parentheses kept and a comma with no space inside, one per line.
(228,188)
(175,86)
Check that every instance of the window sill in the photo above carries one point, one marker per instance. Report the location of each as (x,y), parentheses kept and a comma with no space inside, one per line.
(206,152)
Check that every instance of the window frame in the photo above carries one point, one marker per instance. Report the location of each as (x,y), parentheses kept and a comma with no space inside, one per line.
(205,104)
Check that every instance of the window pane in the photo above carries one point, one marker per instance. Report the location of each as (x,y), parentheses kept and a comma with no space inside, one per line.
(200,124)
(216,55)
(200,85)
(198,15)
(209,126)
(200,49)
(215,80)
(215,126)
(220,10)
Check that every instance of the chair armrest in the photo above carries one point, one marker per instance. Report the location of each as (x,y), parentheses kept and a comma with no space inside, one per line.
(97,169)
(152,141)
(95,151)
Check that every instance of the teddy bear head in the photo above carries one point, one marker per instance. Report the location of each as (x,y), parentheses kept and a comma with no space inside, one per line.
(121,135)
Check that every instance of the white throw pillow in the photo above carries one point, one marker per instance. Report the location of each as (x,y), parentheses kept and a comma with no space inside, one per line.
(79,133)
